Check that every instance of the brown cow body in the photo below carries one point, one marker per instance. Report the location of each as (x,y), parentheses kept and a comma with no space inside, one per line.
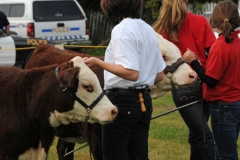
(27,117)
(32,105)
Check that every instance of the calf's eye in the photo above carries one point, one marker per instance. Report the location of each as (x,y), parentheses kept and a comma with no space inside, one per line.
(88,87)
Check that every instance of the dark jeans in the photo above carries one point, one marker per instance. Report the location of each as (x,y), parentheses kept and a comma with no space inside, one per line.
(225,120)
(126,138)
(202,146)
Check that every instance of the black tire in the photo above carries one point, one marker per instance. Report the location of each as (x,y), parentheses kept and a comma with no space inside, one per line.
(27,57)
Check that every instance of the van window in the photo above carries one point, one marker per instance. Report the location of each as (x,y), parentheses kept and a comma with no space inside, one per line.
(13,10)
(56,11)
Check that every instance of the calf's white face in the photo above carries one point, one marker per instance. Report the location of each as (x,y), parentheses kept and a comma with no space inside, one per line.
(182,77)
(88,91)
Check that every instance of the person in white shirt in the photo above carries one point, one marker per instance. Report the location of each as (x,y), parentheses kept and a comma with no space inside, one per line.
(132,63)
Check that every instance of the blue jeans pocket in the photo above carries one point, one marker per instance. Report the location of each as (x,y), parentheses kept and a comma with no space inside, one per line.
(226,113)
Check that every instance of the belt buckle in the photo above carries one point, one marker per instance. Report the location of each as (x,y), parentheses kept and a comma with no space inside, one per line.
(143,86)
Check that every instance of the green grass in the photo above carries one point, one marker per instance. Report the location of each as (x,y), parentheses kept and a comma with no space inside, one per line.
(167,136)
(168,133)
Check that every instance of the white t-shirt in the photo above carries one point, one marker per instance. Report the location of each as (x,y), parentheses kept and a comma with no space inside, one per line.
(134,45)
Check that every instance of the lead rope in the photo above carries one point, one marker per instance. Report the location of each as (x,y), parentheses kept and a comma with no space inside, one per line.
(203,119)
(90,140)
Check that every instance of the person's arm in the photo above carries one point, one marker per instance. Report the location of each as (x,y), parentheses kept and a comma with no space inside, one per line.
(192,60)
(118,70)
(159,77)
(211,82)
(7,29)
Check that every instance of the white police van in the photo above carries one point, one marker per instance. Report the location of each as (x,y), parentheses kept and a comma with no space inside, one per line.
(54,20)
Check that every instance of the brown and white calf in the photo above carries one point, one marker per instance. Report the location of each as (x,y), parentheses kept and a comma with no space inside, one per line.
(33,104)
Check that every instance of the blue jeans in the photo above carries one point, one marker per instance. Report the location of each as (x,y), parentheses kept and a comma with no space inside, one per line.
(225,121)
(126,138)
(196,116)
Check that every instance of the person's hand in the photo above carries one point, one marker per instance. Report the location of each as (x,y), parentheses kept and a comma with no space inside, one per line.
(90,61)
(189,56)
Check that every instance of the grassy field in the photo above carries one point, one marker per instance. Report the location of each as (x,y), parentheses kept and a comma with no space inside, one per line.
(168,135)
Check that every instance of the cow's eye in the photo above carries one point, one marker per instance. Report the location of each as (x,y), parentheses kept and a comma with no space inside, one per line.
(88,87)
(85,86)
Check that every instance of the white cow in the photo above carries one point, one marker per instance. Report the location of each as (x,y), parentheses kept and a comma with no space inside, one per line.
(182,77)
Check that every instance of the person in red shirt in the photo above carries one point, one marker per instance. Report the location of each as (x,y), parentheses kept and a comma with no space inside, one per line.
(221,78)
(188,30)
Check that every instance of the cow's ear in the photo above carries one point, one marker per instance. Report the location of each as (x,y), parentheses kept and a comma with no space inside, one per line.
(68,76)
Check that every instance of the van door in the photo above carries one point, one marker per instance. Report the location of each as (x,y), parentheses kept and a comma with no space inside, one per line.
(59,20)
(7,51)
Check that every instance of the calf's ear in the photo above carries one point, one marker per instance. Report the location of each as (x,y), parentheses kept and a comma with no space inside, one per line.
(68,76)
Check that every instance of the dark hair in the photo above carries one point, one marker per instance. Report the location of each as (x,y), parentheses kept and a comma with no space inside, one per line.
(119,9)
(225,17)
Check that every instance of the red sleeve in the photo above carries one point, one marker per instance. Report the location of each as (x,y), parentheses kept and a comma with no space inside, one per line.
(217,61)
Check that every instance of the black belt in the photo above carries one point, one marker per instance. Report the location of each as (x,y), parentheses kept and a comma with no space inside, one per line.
(128,91)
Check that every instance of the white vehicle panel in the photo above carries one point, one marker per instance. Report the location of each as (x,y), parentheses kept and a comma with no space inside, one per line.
(7,51)
(50,30)
(19,28)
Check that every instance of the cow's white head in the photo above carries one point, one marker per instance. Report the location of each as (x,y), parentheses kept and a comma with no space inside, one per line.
(182,77)
(88,91)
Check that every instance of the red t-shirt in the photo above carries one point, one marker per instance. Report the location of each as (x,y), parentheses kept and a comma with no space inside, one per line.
(195,34)
(223,64)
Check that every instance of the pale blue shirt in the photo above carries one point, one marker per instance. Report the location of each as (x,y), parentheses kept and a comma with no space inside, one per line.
(134,45)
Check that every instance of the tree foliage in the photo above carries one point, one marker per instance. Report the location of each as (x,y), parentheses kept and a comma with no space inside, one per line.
(90,4)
